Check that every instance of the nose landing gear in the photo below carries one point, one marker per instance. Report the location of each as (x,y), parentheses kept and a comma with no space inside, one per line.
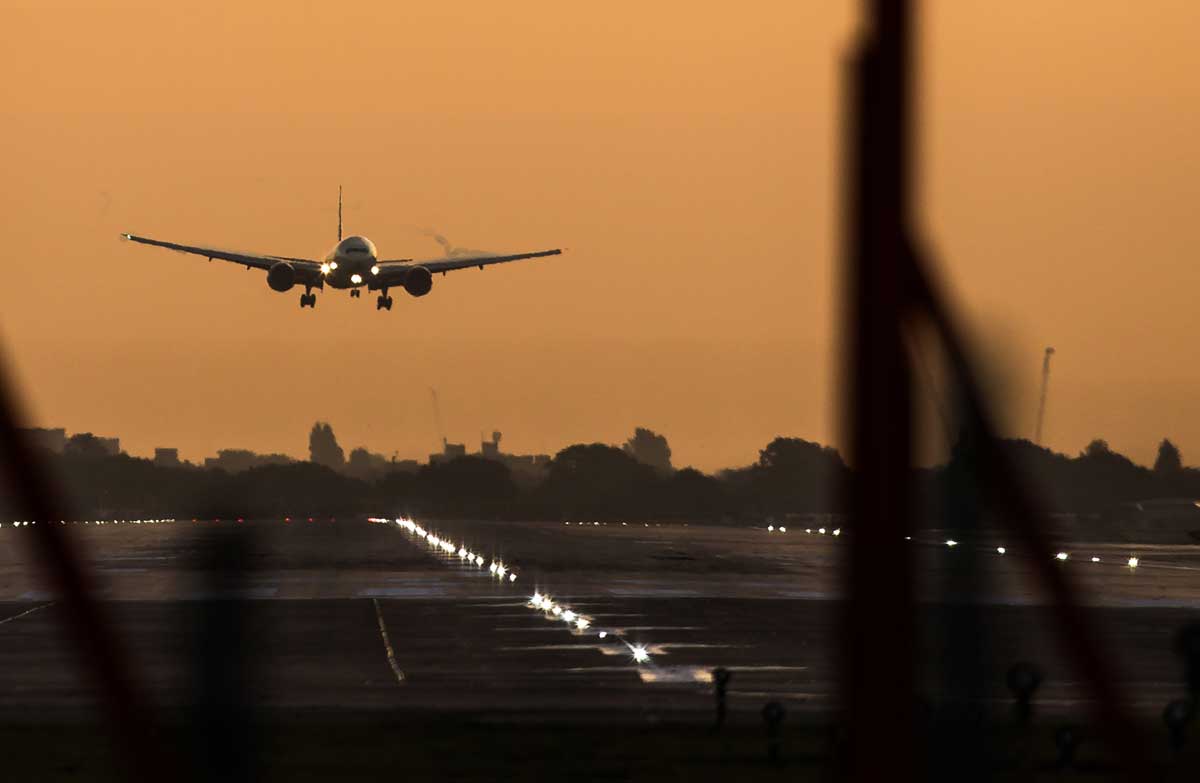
(355,293)
(308,300)
(383,303)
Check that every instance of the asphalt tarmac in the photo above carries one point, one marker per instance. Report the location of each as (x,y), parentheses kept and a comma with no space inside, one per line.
(354,618)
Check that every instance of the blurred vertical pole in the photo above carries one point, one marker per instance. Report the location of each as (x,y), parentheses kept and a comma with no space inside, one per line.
(878,627)
(126,708)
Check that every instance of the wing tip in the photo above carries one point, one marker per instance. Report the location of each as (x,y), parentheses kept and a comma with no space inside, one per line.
(125,236)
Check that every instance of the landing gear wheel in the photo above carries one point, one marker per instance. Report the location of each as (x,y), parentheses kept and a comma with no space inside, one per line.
(389,303)
(308,300)
(383,303)
(355,293)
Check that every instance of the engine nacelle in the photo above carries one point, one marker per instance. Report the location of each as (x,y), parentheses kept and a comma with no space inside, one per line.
(418,281)
(281,276)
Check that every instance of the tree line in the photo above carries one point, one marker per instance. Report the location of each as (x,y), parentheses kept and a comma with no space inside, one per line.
(583,482)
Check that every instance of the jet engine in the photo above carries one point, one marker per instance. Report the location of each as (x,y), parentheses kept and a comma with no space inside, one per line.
(281,276)
(418,281)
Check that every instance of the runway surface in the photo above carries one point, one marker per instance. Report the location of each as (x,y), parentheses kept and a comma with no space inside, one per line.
(350,615)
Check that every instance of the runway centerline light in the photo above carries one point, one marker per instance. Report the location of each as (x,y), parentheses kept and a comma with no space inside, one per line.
(1132,562)
(1061,556)
(951,542)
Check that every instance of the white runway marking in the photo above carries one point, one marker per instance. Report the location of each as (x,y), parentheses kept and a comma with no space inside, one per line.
(22,614)
(387,644)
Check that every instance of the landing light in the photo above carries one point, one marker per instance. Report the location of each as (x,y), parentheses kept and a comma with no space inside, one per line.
(333,265)
(325,269)
(356,279)
(375,269)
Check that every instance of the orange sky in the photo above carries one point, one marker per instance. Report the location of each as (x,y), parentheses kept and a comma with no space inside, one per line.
(688,161)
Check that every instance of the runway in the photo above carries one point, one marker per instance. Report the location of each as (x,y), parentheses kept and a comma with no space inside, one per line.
(349,615)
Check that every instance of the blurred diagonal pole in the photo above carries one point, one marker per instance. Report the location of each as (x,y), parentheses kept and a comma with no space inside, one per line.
(1006,490)
(888,285)
(878,626)
(96,645)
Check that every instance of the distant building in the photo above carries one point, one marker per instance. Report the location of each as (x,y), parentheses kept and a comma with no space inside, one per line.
(52,440)
(237,460)
(523,466)
(166,458)
(449,451)
(111,446)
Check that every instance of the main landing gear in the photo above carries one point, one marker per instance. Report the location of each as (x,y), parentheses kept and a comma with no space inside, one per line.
(383,302)
(308,300)
(355,293)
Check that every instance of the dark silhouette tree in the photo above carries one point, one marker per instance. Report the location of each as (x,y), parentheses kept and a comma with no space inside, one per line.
(1169,459)
(323,448)
(797,475)
(649,448)
(598,479)
(366,465)
(84,444)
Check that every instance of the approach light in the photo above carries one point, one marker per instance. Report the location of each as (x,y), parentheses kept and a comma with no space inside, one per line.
(837,531)
(821,530)
(770,528)
(512,577)
(639,653)
(1001,549)
(1095,560)
(569,616)
(951,542)
(582,623)
(1061,556)
(1133,562)
(602,634)
(782,529)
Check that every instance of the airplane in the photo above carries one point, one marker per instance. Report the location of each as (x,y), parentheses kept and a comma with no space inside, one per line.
(352,264)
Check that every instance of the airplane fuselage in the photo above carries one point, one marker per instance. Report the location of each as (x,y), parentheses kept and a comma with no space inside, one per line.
(351,263)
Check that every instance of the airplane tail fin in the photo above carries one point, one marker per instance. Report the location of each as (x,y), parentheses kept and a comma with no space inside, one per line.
(339,213)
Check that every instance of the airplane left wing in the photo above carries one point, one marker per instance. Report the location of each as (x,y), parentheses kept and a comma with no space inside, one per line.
(304,266)
(393,273)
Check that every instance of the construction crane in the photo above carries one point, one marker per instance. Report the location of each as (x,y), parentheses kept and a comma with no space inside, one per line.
(437,417)
(1037,433)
